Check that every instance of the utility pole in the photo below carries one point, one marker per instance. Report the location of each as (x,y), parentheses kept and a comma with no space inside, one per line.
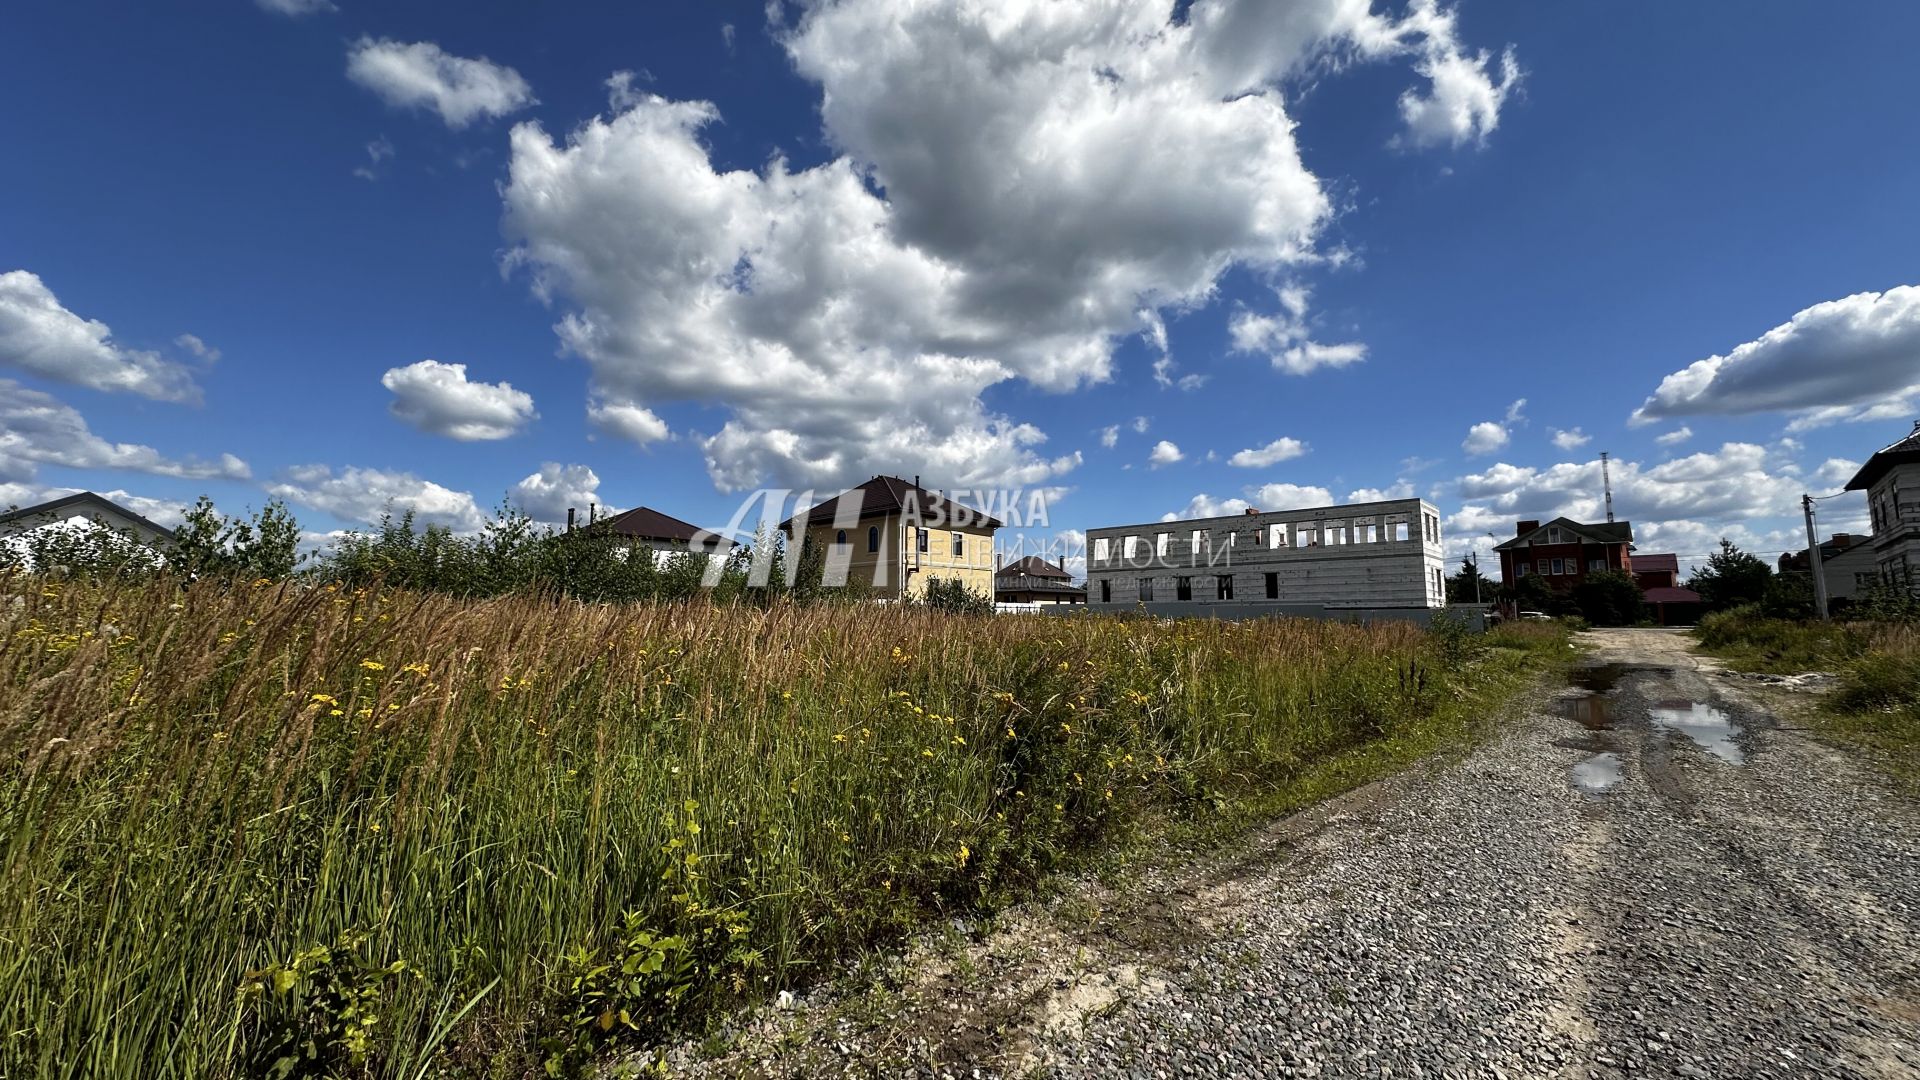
(1473,560)
(1813,559)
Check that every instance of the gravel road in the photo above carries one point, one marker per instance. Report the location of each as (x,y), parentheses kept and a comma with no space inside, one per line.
(1646,875)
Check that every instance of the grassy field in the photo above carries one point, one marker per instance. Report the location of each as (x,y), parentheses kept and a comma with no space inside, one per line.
(276,830)
(1877,699)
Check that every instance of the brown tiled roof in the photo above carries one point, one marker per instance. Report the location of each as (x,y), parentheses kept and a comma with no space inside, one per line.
(1648,564)
(1033,566)
(646,523)
(892,495)
(1905,451)
(1672,596)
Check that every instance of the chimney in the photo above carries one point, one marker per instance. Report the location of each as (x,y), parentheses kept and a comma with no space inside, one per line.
(999,560)
(1253,511)
(916,479)
(1525,527)
(569,519)
(592,509)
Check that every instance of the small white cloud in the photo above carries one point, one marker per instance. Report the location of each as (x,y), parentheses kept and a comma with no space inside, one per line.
(1516,412)
(1836,471)
(295,9)
(625,420)
(1164,453)
(39,336)
(197,347)
(1485,437)
(438,399)
(1110,436)
(378,150)
(726,36)
(1281,449)
(1570,440)
(420,75)
(1401,489)
(1140,425)
(1674,438)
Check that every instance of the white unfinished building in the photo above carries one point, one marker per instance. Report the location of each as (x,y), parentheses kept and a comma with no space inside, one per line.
(1361,556)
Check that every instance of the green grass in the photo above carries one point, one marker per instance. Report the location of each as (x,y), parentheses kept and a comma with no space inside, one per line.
(316,832)
(1876,702)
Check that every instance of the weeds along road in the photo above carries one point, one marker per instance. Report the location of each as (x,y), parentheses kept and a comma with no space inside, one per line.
(1647,875)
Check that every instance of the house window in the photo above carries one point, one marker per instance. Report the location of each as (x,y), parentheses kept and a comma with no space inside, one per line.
(1397,529)
(1306,536)
(1146,588)
(1223,584)
(1200,540)
(1183,588)
(959,546)
(1596,565)
(873,538)
(1161,543)
(1556,567)
(840,538)
(1106,590)
(1553,535)
(1278,537)
(922,539)
(1365,532)
(1525,569)
(1102,549)
(1336,533)
(1273,586)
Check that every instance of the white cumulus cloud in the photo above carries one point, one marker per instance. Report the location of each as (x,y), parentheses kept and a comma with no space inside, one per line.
(38,429)
(1485,437)
(40,336)
(1284,448)
(1570,440)
(1853,359)
(626,420)
(546,494)
(438,399)
(1164,453)
(1014,184)
(421,75)
(1675,437)
(363,496)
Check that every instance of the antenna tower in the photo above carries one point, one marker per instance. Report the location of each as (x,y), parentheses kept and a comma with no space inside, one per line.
(1606,481)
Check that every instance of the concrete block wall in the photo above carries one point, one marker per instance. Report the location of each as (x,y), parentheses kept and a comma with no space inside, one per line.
(1359,555)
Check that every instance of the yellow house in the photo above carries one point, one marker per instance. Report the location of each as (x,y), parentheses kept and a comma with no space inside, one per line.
(894,536)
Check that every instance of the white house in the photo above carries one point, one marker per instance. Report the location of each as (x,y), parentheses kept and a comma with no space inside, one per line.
(1891,479)
(83,512)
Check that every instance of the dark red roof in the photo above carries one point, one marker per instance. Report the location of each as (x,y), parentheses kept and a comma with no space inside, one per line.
(1647,564)
(892,495)
(1672,596)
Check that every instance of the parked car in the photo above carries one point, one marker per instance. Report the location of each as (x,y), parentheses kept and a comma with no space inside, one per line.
(1538,615)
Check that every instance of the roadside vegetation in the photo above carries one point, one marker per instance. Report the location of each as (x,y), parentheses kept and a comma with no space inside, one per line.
(1874,653)
(338,828)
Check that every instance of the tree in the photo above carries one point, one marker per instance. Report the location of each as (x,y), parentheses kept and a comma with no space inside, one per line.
(953,597)
(1730,578)
(210,544)
(1610,598)
(1469,586)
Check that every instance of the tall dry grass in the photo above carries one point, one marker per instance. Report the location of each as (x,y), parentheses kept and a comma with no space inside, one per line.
(318,832)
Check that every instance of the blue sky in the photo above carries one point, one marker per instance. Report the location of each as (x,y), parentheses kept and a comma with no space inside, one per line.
(794,248)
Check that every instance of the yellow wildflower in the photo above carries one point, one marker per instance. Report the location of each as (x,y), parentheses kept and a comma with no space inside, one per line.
(326,699)
(373,665)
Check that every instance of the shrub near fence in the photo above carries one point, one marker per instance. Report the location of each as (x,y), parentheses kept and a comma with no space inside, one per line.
(277,830)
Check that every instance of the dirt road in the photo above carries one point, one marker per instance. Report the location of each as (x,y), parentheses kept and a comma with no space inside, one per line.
(1647,875)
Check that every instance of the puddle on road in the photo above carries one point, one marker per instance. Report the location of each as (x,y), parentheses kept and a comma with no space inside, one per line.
(1599,678)
(1597,774)
(1709,728)
(1592,710)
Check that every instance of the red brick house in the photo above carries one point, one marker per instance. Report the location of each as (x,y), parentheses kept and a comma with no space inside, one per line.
(1656,571)
(1563,551)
